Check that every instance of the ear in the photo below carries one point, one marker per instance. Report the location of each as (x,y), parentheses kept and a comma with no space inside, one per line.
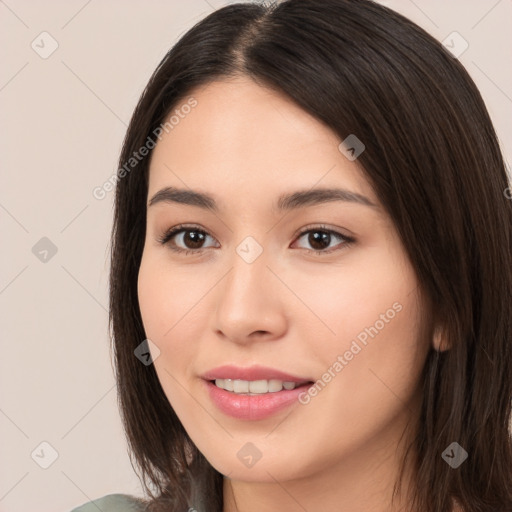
(439,339)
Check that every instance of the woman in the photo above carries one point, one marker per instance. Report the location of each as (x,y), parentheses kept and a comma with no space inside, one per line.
(311,281)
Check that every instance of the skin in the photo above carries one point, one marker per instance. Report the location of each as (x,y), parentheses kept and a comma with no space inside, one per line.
(289,309)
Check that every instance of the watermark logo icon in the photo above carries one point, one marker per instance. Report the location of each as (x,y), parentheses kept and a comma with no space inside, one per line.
(44,455)
(249,249)
(454,455)
(147,352)
(44,45)
(351,147)
(44,250)
(249,454)
(455,44)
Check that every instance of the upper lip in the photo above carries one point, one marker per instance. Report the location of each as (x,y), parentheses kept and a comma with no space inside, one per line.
(251,373)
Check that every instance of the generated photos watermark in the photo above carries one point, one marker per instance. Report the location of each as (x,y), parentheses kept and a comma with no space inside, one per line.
(355,348)
(100,192)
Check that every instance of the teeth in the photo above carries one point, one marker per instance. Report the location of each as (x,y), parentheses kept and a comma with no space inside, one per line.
(241,386)
(254,387)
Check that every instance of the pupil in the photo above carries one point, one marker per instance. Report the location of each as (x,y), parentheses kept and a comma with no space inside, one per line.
(321,238)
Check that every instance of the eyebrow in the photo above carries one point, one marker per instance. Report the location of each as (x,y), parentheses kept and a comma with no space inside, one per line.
(286,202)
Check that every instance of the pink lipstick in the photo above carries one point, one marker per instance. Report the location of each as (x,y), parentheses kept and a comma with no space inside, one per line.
(255,392)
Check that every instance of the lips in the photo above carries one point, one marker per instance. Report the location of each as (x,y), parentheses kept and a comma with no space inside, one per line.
(252,373)
(250,406)
(255,407)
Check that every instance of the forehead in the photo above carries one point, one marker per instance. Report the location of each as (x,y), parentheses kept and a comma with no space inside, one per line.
(243,138)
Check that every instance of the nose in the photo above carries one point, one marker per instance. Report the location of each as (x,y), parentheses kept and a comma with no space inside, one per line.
(250,302)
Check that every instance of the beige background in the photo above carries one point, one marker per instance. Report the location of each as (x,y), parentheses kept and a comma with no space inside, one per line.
(63,119)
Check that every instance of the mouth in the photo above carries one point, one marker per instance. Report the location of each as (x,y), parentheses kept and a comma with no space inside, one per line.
(253,393)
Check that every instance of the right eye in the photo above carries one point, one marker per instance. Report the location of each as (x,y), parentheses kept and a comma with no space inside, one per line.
(185,239)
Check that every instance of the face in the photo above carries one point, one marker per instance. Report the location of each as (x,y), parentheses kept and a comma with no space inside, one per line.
(316,287)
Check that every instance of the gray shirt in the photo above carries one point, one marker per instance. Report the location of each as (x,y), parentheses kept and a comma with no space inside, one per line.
(112,503)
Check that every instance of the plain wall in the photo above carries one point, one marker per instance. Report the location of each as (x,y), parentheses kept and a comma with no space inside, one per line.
(63,120)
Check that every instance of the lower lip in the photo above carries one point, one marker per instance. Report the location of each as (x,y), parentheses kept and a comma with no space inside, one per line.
(253,407)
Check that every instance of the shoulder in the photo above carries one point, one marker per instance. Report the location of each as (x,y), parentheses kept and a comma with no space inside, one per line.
(113,503)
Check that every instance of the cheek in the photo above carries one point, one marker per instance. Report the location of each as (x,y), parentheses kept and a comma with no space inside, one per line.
(166,301)
(165,296)
(372,318)
(345,301)
(158,309)
(172,305)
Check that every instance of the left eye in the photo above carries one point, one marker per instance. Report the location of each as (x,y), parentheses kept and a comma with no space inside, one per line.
(321,239)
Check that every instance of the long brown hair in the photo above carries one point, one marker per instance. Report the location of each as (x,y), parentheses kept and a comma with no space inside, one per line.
(434,161)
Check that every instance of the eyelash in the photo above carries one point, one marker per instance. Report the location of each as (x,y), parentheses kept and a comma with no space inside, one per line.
(170,233)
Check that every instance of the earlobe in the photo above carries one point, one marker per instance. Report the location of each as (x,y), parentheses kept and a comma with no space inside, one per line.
(439,341)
